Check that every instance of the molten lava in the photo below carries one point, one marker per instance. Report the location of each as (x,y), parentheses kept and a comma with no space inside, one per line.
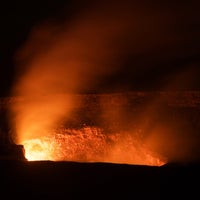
(90,144)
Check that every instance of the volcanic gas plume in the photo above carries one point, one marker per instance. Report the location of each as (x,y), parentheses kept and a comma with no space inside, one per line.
(59,59)
(71,57)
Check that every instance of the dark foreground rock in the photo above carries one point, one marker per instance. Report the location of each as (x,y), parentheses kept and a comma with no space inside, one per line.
(12,152)
(71,180)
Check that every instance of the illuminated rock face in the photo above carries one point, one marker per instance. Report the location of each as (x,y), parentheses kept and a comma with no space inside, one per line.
(90,144)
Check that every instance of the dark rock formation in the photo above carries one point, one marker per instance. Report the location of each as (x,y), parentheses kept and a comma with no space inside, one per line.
(8,149)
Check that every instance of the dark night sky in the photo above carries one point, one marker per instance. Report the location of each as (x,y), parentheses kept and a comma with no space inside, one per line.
(164,54)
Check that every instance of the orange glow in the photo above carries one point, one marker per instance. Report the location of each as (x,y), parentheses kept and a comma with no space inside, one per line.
(60,59)
(89,144)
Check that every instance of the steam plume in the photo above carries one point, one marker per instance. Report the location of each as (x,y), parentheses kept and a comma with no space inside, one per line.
(61,59)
